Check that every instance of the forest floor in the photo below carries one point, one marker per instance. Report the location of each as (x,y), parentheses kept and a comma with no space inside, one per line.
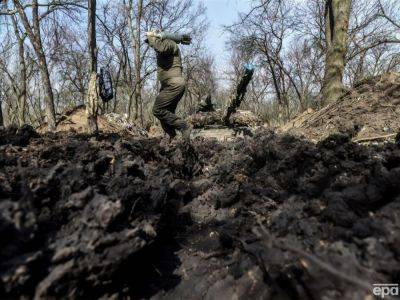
(271,216)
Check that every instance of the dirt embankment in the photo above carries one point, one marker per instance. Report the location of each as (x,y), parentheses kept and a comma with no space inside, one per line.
(75,120)
(265,217)
(369,111)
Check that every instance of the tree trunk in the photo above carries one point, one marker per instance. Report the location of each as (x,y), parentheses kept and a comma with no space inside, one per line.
(35,38)
(136,42)
(1,111)
(1,115)
(92,105)
(138,62)
(92,35)
(22,92)
(92,101)
(337,14)
(360,68)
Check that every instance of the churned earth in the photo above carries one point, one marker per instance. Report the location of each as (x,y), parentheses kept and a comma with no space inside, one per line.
(263,217)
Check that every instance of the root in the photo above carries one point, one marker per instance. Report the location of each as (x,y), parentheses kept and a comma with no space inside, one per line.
(375,138)
(317,261)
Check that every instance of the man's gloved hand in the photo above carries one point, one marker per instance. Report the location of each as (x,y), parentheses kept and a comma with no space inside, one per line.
(186,39)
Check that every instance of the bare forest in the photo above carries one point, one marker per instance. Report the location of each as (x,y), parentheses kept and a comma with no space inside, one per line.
(45,62)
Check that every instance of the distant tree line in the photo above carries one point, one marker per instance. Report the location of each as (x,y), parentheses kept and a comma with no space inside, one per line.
(306,53)
(45,62)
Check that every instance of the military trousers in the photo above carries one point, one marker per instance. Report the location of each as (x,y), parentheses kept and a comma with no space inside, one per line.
(171,92)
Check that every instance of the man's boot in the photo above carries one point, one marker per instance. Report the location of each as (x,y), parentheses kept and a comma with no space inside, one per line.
(185,129)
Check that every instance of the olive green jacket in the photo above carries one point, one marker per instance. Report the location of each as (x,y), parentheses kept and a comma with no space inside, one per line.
(169,63)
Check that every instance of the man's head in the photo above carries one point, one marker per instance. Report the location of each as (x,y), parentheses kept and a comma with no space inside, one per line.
(151,36)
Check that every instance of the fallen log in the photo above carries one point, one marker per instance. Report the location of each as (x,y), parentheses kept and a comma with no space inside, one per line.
(239,118)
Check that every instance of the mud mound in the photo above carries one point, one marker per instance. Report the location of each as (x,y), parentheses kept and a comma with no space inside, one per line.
(75,120)
(368,112)
(271,217)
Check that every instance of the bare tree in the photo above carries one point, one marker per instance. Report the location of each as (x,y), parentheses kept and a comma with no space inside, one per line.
(92,97)
(134,23)
(34,33)
(22,80)
(263,33)
(201,80)
(306,52)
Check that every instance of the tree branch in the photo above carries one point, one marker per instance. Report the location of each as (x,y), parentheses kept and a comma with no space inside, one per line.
(373,45)
(385,15)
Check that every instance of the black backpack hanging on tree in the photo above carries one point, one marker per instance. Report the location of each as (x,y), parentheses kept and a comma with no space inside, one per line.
(106,86)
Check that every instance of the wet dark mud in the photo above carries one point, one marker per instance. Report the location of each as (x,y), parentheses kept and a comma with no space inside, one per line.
(264,217)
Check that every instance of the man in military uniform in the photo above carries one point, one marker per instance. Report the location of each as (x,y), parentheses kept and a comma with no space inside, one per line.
(169,73)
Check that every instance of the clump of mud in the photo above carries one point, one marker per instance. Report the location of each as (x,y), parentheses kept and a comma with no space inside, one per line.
(268,216)
(368,112)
